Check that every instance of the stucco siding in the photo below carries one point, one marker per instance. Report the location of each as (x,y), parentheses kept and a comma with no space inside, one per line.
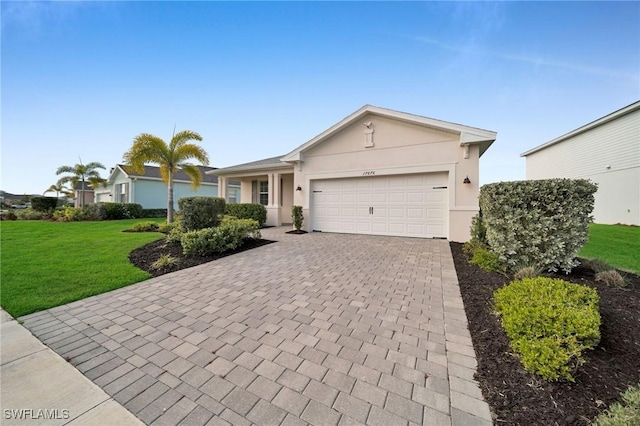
(608,155)
(152,194)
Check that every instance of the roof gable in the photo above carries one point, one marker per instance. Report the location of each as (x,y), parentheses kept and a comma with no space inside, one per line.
(468,135)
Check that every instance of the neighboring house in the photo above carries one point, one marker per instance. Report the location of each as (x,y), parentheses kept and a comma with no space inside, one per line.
(378,171)
(88,194)
(148,189)
(606,151)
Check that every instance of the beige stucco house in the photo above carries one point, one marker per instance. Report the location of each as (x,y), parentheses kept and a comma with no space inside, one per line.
(606,151)
(377,171)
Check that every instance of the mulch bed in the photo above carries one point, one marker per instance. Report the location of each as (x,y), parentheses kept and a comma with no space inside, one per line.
(143,257)
(521,398)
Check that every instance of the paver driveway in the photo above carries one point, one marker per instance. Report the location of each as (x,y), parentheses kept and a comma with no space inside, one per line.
(316,328)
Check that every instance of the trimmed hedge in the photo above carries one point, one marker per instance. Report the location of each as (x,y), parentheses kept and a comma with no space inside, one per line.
(297,217)
(229,235)
(549,323)
(44,204)
(117,211)
(538,222)
(93,212)
(154,213)
(201,212)
(257,212)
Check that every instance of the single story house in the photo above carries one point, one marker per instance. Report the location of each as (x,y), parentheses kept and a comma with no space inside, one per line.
(377,171)
(606,151)
(148,189)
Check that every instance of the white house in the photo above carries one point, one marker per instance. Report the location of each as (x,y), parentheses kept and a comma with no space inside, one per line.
(606,151)
(377,171)
(126,186)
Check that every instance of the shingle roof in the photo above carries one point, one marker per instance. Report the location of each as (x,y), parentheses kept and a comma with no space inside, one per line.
(154,173)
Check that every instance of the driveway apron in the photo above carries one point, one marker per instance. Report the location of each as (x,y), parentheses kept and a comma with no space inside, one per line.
(313,329)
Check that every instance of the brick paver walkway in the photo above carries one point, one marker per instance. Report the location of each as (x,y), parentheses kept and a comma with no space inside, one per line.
(314,329)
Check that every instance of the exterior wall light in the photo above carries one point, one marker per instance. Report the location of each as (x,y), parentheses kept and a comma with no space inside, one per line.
(299,188)
(466,180)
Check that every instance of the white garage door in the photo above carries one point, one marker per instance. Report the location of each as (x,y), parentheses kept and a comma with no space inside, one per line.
(402,205)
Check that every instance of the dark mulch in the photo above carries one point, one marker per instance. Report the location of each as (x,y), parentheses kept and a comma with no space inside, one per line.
(521,398)
(296,231)
(143,257)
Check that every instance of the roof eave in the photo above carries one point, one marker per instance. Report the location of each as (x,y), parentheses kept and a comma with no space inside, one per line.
(596,123)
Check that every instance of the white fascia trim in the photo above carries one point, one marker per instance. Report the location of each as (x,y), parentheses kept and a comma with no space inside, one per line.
(250,169)
(485,135)
(599,122)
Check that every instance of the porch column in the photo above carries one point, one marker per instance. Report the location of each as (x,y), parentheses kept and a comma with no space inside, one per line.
(273,208)
(222,187)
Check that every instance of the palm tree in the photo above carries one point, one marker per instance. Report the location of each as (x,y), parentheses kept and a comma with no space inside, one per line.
(82,173)
(59,189)
(171,158)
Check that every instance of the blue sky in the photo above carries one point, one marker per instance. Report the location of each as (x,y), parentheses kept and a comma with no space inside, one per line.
(82,79)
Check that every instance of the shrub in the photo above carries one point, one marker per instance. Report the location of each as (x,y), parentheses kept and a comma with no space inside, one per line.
(93,212)
(487,260)
(538,222)
(165,228)
(597,265)
(31,214)
(44,204)
(478,229)
(227,236)
(527,272)
(8,216)
(175,232)
(145,227)
(153,213)
(297,217)
(611,278)
(118,211)
(549,323)
(626,413)
(201,212)
(257,212)
(163,261)
(471,246)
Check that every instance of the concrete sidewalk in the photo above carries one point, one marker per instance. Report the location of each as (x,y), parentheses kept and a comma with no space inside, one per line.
(40,387)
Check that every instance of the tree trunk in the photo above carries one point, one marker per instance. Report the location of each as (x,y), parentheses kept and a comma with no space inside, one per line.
(82,194)
(170,198)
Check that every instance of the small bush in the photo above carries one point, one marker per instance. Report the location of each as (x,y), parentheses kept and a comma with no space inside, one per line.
(153,213)
(611,278)
(297,217)
(92,212)
(119,211)
(471,246)
(478,230)
(44,204)
(165,228)
(31,214)
(227,236)
(527,272)
(201,212)
(597,265)
(175,232)
(549,323)
(145,227)
(164,261)
(487,260)
(626,413)
(257,212)
(8,216)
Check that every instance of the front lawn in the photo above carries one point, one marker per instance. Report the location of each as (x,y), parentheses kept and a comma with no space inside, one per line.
(46,264)
(618,245)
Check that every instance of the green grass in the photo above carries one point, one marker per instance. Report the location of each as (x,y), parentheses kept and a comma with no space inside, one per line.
(47,264)
(617,245)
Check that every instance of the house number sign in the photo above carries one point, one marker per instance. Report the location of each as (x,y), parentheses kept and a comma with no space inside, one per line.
(369,173)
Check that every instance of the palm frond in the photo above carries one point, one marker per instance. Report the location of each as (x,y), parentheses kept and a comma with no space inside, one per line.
(65,169)
(194,174)
(181,138)
(94,165)
(191,152)
(146,148)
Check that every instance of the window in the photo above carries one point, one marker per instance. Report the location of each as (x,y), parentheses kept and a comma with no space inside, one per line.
(260,192)
(232,195)
(123,193)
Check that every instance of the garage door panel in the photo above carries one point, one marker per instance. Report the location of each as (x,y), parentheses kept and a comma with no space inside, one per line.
(403,205)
